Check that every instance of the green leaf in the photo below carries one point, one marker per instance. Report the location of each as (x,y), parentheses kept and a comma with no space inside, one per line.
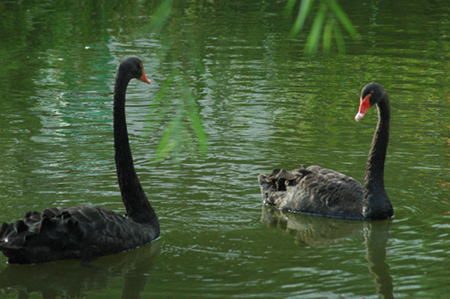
(166,143)
(316,29)
(185,128)
(342,17)
(324,21)
(157,108)
(339,39)
(289,6)
(160,16)
(328,33)
(197,124)
(303,11)
(175,134)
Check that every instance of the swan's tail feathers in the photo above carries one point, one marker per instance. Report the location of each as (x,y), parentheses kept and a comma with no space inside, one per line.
(39,236)
(84,232)
(267,189)
(275,185)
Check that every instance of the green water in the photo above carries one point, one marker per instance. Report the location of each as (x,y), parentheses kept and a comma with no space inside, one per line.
(264,105)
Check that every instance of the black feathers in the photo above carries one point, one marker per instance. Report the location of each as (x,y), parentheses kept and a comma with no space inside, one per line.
(328,193)
(87,232)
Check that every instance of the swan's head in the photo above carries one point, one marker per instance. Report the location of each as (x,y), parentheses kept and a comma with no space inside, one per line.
(371,94)
(133,67)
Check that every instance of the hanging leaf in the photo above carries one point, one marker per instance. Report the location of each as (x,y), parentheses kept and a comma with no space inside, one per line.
(339,39)
(303,11)
(167,143)
(185,128)
(197,124)
(324,23)
(342,17)
(314,35)
(160,16)
(328,34)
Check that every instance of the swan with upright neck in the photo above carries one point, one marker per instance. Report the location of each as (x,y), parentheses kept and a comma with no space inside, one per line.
(88,232)
(328,193)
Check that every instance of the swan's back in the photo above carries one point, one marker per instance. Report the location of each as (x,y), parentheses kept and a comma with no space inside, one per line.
(313,190)
(84,232)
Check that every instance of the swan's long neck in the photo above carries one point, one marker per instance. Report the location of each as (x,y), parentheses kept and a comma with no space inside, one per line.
(136,203)
(376,202)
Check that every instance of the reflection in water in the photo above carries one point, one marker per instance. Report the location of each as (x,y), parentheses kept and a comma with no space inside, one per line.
(73,279)
(319,231)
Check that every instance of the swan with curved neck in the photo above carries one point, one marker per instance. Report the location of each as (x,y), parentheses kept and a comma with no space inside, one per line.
(328,193)
(88,232)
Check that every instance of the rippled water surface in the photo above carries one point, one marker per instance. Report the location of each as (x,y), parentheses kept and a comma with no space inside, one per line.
(264,105)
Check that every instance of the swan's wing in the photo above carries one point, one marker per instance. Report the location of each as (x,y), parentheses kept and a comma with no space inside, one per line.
(273,186)
(313,190)
(84,232)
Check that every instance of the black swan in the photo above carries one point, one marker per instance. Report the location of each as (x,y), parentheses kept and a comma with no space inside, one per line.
(328,193)
(88,232)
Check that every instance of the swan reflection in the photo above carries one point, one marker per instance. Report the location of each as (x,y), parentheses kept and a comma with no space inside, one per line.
(74,279)
(319,231)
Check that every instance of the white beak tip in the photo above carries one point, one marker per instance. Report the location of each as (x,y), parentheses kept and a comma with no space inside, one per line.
(359,116)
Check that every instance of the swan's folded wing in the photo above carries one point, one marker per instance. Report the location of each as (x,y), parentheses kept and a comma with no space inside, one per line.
(69,233)
(314,190)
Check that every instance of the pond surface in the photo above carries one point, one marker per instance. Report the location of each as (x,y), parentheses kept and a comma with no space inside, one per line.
(264,105)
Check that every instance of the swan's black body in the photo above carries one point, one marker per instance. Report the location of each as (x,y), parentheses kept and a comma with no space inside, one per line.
(325,192)
(87,232)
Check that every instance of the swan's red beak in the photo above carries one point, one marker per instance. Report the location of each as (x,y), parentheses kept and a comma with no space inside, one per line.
(364,105)
(144,78)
